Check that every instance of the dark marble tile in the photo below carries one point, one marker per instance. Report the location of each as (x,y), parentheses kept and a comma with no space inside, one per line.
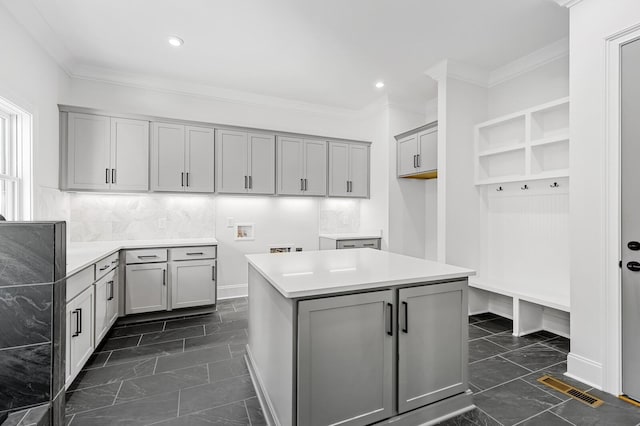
(514,401)
(59,335)
(25,376)
(476,333)
(25,315)
(233,316)
(27,253)
(613,412)
(188,322)
(113,373)
(68,420)
(226,369)
(14,418)
(119,343)
(97,360)
(230,414)
(474,388)
(494,371)
(222,338)
(557,371)
(139,412)
(543,335)
(559,343)
(497,325)
(546,419)
(482,348)
(57,408)
(215,394)
(91,398)
(137,329)
(482,317)
(145,352)
(256,415)
(175,334)
(511,342)
(162,383)
(536,357)
(226,326)
(192,358)
(238,351)
(475,417)
(39,415)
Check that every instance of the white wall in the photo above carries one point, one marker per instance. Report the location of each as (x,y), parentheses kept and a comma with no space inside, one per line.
(591,22)
(30,79)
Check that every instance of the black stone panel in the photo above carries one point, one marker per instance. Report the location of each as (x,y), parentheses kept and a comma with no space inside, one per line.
(25,315)
(27,253)
(25,374)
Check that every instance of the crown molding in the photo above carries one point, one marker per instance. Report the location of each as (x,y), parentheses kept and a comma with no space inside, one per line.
(554,51)
(460,71)
(567,3)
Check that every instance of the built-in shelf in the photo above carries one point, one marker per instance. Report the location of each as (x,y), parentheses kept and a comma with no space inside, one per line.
(527,145)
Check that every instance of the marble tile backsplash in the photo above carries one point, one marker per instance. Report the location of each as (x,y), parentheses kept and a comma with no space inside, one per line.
(108,217)
(339,216)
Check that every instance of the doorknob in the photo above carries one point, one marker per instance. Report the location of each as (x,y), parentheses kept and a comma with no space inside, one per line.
(633,266)
(633,245)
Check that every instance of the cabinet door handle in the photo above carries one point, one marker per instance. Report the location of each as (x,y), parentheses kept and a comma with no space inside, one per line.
(246,185)
(164,277)
(213,272)
(250,182)
(104,267)
(369,245)
(405,329)
(349,245)
(187,178)
(76,313)
(106,176)
(194,253)
(113,175)
(182,179)
(114,261)
(305,184)
(149,256)
(390,321)
(418,159)
(301,184)
(110,290)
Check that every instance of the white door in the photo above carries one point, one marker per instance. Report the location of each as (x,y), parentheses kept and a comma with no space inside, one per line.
(290,166)
(432,343)
(167,157)
(315,167)
(102,290)
(407,155)
(358,170)
(146,288)
(428,150)
(88,151)
(262,164)
(80,333)
(193,283)
(338,169)
(200,156)
(231,162)
(129,155)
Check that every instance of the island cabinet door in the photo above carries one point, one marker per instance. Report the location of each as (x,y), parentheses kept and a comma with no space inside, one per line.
(432,343)
(345,359)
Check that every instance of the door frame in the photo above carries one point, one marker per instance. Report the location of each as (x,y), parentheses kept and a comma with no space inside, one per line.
(612,193)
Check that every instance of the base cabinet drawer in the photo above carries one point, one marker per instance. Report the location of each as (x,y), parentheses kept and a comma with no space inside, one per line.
(80,333)
(146,256)
(369,243)
(146,288)
(192,253)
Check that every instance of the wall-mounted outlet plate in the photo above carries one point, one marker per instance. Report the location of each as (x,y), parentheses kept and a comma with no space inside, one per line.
(231,221)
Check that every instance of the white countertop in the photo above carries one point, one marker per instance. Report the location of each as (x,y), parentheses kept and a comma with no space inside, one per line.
(350,236)
(81,255)
(314,273)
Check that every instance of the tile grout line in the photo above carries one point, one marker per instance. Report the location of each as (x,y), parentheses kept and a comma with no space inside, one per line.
(537,414)
(490,416)
(179,398)
(117,393)
(155,366)
(558,415)
(246,409)
(139,340)
(521,366)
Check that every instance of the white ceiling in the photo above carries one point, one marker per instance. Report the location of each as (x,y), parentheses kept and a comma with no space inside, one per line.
(327,52)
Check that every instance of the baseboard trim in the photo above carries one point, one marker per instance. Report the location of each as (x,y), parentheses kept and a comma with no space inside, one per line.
(263,398)
(233,291)
(584,370)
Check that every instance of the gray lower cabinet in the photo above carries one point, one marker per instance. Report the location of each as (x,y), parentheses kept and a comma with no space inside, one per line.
(146,288)
(432,343)
(345,359)
(193,283)
(80,333)
(106,311)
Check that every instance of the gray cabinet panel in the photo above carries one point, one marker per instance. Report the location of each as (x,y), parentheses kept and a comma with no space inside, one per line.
(345,359)
(146,288)
(432,343)
(167,157)
(428,150)
(315,167)
(290,167)
(231,161)
(199,159)
(88,152)
(407,151)
(338,169)
(262,164)
(129,155)
(359,170)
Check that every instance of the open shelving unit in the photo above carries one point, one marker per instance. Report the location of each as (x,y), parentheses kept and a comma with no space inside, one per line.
(527,145)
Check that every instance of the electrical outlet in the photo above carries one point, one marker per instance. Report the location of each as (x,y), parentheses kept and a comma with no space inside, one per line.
(162,223)
(298,248)
(230,222)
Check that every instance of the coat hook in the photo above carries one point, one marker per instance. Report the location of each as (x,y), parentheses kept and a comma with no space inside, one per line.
(525,187)
(555,185)
(499,189)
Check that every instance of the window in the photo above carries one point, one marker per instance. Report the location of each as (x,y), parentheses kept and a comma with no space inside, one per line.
(15,161)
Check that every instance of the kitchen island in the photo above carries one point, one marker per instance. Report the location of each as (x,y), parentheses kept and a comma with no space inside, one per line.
(357,337)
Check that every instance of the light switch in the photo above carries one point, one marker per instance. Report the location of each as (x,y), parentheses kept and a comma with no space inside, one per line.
(230,222)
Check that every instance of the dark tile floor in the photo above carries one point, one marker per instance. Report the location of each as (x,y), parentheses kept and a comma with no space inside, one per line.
(191,371)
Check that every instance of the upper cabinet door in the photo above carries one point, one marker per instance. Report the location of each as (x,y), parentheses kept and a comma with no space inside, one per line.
(338,169)
(167,157)
(315,167)
(290,166)
(200,156)
(358,170)
(407,155)
(88,152)
(129,155)
(428,150)
(262,164)
(231,162)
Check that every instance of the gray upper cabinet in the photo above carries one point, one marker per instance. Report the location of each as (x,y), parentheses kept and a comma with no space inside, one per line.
(432,360)
(346,343)
(348,170)
(417,152)
(182,158)
(245,162)
(104,153)
(302,166)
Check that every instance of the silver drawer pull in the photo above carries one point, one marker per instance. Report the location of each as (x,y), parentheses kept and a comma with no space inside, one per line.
(199,253)
(369,244)
(114,261)
(149,256)
(349,245)
(105,267)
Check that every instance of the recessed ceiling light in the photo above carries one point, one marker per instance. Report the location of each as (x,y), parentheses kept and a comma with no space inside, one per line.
(380,84)
(175,41)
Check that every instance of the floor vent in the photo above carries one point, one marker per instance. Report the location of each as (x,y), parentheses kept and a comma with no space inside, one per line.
(575,393)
